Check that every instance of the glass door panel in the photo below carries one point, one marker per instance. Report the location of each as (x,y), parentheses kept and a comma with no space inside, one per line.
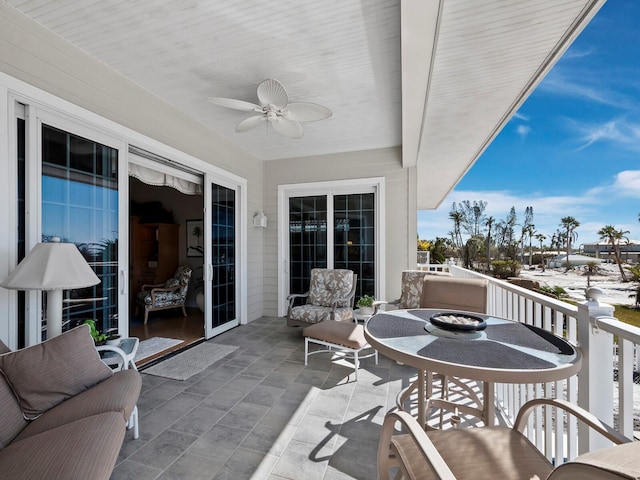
(354,238)
(223,287)
(307,239)
(80,206)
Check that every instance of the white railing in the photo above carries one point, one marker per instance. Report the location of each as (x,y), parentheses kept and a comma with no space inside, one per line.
(589,325)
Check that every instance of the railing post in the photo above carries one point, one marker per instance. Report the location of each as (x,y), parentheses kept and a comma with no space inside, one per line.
(595,380)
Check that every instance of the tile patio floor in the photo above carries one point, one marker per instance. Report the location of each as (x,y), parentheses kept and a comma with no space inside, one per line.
(259,413)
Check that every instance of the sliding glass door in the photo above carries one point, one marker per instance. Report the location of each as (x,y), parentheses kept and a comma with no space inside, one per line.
(80,205)
(221,263)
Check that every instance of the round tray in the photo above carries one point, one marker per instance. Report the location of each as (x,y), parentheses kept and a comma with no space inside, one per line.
(446,321)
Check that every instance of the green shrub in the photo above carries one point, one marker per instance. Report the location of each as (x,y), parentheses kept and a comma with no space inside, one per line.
(505,268)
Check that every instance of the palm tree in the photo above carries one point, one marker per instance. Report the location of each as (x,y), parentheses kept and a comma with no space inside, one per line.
(541,238)
(569,224)
(489,224)
(613,237)
(458,219)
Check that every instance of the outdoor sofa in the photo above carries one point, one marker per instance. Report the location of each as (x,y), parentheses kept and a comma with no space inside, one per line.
(64,412)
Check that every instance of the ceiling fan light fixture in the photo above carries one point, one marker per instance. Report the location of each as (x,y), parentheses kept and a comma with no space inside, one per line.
(274,107)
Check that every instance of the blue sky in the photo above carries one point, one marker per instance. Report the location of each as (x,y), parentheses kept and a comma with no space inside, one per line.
(573,148)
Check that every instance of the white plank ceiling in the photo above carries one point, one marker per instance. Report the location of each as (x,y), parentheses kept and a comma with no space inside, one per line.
(439,78)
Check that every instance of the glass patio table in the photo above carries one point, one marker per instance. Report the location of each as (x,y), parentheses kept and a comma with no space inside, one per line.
(498,351)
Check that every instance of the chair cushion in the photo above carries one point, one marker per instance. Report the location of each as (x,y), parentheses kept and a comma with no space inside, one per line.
(347,334)
(614,463)
(453,293)
(328,285)
(314,314)
(497,453)
(44,375)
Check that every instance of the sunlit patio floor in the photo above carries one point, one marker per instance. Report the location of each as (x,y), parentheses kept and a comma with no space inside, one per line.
(260,413)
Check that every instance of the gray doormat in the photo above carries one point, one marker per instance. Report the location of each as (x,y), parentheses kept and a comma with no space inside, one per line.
(148,348)
(186,364)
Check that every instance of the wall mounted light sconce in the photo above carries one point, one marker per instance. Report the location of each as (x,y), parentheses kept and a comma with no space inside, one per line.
(260,220)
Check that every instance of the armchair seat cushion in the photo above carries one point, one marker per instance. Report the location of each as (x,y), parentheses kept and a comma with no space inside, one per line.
(315,313)
(163,299)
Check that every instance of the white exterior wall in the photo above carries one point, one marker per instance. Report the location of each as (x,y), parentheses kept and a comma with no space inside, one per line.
(39,58)
(401,216)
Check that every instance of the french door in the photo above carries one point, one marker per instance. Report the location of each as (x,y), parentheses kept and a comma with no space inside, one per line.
(334,228)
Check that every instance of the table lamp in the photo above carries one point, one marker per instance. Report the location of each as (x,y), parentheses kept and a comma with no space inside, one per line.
(52,266)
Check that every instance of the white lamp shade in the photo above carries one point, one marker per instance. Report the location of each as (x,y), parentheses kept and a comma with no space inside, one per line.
(52,266)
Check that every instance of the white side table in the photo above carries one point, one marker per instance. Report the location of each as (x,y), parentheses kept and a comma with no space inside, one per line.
(111,356)
(121,356)
(358,316)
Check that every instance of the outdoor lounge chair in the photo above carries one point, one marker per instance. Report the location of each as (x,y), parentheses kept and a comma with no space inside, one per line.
(330,297)
(171,294)
(499,453)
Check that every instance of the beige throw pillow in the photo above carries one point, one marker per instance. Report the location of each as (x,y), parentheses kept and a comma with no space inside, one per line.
(46,374)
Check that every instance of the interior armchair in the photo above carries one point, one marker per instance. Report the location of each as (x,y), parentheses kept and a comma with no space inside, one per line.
(330,297)
(171,294)
(499,453)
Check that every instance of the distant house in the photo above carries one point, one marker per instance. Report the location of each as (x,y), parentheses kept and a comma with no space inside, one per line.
(629,251)
(574,259)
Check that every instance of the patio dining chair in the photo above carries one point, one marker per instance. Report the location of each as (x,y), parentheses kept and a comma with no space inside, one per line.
(330,296)
(499,453)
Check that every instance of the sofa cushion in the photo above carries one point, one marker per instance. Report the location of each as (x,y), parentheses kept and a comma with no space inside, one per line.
(46,374)
(118,393)
(11,420)
(84,449)
(4,348)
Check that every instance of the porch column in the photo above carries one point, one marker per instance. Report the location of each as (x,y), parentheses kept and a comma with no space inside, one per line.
(595,380)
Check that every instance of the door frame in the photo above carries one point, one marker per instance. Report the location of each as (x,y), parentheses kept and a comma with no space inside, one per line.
(329,188)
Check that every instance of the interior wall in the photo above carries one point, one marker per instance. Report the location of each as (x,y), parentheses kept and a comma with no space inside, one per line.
(36,56)
(401,216)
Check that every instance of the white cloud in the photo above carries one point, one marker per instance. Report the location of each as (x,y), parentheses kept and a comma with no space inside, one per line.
(577,53)
(556,84)
(627,183)
(521,116)
(610,203)
(523,130)
(620,132)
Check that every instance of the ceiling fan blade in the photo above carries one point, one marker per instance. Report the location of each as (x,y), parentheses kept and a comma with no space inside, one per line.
(235,104)
(271,92)
(306,112)
(288,128)
(249,123)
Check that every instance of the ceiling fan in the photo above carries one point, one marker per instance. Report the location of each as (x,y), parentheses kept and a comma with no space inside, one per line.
(275,109)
